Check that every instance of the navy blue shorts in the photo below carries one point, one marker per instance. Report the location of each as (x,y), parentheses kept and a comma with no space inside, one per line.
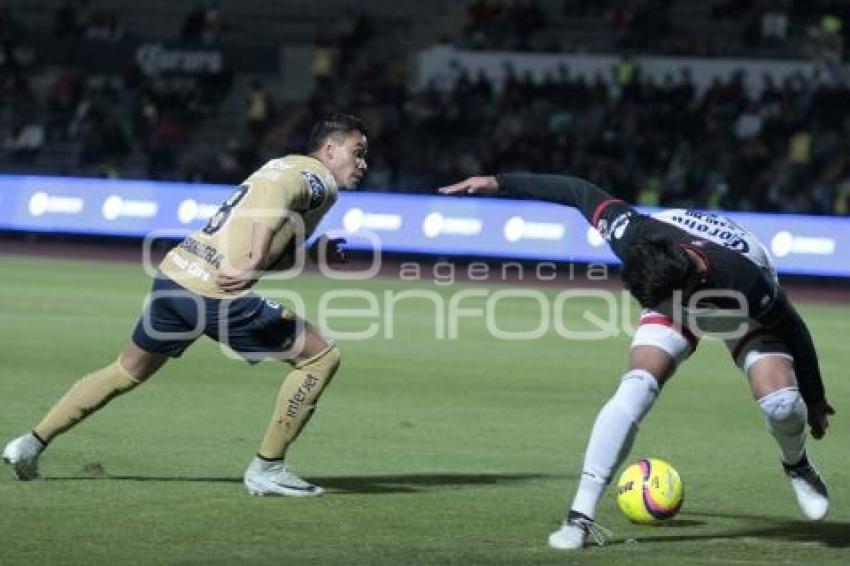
(174,317)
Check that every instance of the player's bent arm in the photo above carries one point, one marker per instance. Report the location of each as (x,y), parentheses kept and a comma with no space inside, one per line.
(244,276)
(324,249)
(261,241)
(784,321)
(794,332)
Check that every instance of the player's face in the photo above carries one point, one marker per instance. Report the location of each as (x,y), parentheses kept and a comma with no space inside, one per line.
(347,159)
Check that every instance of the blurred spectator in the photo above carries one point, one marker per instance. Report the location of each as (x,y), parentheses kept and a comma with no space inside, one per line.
(831,24)
(202,24)
(11,31)
(212,29)
(62,100)
(749,123)
(67,20)
(626,72)
(800,149)
(825,46)
(619,17)
(193,25)
(354,29)
(105,145)
(161,159)
(481,19)
(260,111)
(15,62)
(144,118)
(774,24)
(526,19)
(322,66)
(24,141)
(104,26)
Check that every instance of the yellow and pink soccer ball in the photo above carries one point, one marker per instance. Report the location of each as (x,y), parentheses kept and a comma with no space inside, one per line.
(650,491)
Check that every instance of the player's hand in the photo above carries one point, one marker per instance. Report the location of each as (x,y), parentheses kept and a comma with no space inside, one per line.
(472,186)
(233,281)
(818,421)
(328,249)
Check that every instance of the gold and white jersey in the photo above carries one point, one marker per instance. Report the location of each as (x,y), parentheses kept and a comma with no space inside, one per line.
(290,195)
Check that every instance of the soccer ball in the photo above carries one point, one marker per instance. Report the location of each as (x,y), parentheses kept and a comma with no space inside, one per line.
(650,491)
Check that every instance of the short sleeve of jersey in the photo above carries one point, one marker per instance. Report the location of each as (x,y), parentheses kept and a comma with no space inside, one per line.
(763,296)
(272,196)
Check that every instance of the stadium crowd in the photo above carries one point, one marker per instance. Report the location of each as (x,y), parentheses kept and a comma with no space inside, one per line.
(103,116)
(731,28)
(664,142)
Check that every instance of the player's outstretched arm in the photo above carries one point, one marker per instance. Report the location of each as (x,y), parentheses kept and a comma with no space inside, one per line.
(607,214)
(479,185)
(567,190)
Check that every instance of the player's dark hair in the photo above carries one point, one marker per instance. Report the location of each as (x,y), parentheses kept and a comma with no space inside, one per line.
(334,125)
(654,267)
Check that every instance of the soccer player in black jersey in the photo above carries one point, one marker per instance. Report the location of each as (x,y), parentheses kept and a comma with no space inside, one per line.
(693,273)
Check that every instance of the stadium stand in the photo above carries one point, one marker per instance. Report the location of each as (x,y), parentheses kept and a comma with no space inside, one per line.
(271,68)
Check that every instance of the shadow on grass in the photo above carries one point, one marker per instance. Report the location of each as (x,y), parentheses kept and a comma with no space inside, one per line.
(682,523)
(396,483)
(419,482)
(827,533)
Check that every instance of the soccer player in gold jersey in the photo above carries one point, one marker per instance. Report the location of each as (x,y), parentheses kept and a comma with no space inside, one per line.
(203,288)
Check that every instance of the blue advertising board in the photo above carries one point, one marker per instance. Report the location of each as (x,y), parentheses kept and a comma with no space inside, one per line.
(435,225)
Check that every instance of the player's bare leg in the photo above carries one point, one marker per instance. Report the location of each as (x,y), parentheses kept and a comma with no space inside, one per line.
(314,364)
(774,387)
(610,442)
(92,392)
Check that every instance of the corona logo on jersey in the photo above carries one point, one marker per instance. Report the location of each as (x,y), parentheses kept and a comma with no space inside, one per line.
(650,491)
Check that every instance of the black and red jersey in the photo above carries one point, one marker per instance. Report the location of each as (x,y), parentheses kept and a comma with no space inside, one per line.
(728,269)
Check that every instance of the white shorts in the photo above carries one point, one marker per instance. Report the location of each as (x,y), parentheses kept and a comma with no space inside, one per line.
(659,330)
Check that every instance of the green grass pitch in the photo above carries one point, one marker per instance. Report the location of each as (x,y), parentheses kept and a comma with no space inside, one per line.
(434,451)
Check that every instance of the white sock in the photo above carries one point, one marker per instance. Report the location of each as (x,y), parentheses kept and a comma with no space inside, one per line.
(612,437)
(786,421)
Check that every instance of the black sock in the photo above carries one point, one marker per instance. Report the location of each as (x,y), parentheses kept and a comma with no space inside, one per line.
(40,439)
(573,515)
(269,459)
(803,463)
